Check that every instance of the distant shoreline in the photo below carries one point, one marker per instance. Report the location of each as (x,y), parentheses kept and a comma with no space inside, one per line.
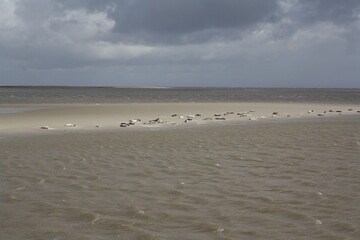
(50,86)
(176,87)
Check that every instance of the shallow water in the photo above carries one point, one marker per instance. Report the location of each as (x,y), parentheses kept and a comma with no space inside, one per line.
(17,109)
(296,180)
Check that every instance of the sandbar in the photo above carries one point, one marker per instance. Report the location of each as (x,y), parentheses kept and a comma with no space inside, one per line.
(107,117)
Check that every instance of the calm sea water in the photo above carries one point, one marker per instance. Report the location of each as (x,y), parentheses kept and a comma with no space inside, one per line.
(129,95)
(296,180)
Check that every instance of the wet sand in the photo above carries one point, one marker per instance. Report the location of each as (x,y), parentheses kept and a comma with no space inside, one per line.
(108,117)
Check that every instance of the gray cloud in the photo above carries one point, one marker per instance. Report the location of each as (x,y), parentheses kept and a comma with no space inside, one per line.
(343,11)
(166,20)
(266,43)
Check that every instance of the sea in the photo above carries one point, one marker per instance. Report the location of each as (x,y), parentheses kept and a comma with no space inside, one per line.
(296,179)
(55,94)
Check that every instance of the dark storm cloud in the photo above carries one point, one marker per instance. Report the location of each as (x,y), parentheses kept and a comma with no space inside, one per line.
(174,16)
(260,40)
(164,17)
(178,21)
(187,21)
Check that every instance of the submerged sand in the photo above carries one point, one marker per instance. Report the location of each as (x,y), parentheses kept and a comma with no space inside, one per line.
(107,117)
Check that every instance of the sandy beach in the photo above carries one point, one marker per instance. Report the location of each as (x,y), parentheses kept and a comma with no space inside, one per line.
(31,118)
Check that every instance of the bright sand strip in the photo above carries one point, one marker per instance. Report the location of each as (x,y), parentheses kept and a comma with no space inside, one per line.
(109,116)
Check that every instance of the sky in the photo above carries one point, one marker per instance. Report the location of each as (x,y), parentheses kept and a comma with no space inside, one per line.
(202,43)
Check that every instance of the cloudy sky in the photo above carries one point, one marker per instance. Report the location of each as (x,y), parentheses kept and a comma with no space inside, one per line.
(234,43)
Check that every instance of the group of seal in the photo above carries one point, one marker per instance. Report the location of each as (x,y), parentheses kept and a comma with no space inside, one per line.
(218,116)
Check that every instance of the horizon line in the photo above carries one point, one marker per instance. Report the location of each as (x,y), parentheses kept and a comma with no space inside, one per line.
(162,87)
